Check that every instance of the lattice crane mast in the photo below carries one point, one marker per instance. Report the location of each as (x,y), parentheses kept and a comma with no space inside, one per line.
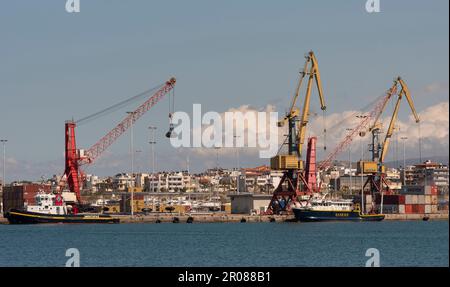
(360,129)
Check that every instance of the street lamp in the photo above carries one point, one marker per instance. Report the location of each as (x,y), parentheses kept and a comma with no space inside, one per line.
(350,162)
(361,135)
(3,141)
(132,162)
(238,165)
(217,159)
(404,160)
(397,128)
(152,143)
(138,164)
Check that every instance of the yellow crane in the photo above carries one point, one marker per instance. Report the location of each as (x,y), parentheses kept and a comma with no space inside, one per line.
(296,136)
(376,168)
(291,163)
(403,92)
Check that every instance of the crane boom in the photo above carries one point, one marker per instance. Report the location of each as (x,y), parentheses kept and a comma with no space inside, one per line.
(299,85)
(313,74)
(375,115)
(403,92)
(97,149)
(73,157)
(363,125)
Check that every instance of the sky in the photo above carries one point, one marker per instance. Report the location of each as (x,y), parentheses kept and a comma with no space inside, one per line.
(56,66)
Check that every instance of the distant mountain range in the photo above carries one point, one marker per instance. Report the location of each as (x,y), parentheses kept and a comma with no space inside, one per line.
(412,161)
(409,161)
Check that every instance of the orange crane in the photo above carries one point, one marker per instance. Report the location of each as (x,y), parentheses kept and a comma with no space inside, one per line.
(75,157)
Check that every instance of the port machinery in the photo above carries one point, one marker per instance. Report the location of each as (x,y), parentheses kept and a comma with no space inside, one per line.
(375,168)
(75,157)
(370,122)
(297,180)
(302,180)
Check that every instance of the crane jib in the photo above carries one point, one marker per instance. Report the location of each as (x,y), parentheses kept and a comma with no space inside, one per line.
(74,158)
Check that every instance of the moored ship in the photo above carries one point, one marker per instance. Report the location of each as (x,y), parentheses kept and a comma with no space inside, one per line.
(333,210)
(51,208)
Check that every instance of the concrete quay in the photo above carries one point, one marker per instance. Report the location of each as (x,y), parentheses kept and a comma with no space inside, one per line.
(205,218)
(237,218)
(432,216)
(234,218)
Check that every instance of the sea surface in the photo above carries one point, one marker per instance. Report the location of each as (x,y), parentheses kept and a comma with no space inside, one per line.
(400,243)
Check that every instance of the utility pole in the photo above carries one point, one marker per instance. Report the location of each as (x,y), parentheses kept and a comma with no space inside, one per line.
(187,164)
(152,143)
(361,136)
(217,159)
(132,163)
(138,151)
(404,160)
(4,141)
(189,175)
(362,173)
(350,162)
(420,144)
(397,128)
(238,167)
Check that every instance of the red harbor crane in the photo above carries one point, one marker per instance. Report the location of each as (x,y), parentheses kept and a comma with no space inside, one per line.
(74,157)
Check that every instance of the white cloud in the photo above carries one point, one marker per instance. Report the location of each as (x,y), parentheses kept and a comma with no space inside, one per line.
(434,128)
(434,133)
(434,125)
(251,127)
(436,87)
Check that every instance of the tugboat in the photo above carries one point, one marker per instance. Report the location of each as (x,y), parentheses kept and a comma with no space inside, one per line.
(333,210)
(51,208)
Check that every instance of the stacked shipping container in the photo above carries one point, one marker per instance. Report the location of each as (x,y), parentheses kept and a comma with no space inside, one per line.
(417,200)
(18,196)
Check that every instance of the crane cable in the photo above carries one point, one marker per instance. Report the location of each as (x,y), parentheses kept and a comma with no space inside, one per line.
(324,130)
(115,107)
(420,143)
(170,133)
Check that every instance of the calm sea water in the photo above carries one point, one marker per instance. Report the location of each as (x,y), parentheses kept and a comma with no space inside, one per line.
(402,243)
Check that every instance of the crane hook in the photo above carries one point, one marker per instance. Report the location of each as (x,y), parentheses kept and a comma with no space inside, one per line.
(169,133)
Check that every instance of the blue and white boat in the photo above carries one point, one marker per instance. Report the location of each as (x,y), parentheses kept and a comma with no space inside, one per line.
(333,210)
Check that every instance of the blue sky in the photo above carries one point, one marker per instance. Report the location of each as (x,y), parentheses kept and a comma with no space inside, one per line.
(57,66)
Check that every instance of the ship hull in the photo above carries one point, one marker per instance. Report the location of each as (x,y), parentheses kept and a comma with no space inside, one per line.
(25,217)
(316,215)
